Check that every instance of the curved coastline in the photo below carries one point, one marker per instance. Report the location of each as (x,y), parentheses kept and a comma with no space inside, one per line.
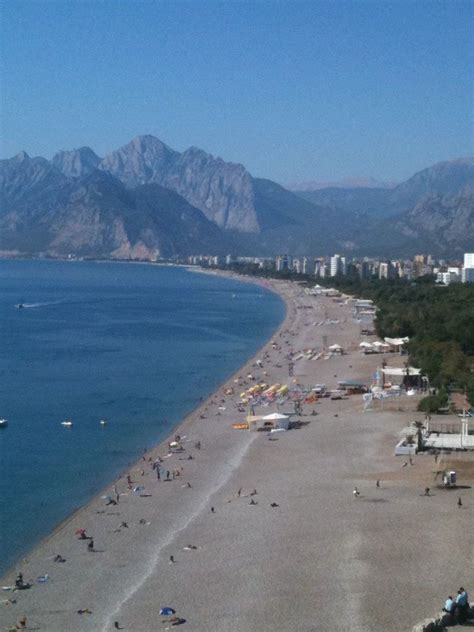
(226,565)
(180,427)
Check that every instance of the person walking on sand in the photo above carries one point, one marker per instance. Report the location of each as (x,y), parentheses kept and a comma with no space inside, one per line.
(172,559)
(90,546)
(239,492)
(459,502)
(427,491)
(377,484)
(356,492)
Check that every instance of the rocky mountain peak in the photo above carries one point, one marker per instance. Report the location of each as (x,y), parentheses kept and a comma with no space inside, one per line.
(222,191)
(139,161)
(21,156)
(77,162)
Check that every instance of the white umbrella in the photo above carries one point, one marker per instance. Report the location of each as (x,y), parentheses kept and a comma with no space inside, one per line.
(275,416)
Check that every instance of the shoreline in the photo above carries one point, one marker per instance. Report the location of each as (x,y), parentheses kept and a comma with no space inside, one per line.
(178,429)
(226,565)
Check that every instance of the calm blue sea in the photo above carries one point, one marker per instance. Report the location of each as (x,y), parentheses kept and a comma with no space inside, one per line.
(137,345)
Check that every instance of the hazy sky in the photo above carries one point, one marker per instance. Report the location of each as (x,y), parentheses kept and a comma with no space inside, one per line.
(293,90)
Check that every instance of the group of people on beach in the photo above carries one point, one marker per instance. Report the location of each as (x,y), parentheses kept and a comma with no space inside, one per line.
(458,607)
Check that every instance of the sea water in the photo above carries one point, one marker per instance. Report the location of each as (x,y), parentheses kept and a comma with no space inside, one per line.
(136,345)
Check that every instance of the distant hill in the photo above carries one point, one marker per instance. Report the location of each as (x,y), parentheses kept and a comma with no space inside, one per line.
(345,183)
(146,200)
(446,178)
(443,223)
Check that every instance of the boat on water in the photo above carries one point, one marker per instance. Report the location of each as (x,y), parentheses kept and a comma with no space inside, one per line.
(67,423)
(103,422)
(3,423)
(20,306)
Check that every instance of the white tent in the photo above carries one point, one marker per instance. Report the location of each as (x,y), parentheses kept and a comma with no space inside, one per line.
(279,420)
(335,348)
(400,372)
(367,345)
(397,342)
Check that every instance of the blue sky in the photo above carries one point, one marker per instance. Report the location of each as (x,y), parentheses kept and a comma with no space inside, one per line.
(294,90)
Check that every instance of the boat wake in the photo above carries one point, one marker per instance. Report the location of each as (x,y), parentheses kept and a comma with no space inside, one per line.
(36,305)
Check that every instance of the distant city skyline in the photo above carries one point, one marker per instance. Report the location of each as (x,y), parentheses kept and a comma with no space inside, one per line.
(295,91)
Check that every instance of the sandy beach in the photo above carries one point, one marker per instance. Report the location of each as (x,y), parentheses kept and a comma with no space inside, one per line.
(318,560)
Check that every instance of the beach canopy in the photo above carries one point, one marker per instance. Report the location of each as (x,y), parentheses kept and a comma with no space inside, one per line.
(334,347)
(397,342)
(353,383)
(274,417)
(279,420)
(365,344)
(400,372)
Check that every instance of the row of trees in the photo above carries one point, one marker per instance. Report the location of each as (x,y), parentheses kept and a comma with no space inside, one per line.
(438,320)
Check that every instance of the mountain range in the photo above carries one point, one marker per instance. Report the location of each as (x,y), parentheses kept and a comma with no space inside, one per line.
(146,200)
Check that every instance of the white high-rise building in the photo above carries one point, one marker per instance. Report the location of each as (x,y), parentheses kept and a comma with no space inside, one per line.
(468,270)
(469,259)
(337,265)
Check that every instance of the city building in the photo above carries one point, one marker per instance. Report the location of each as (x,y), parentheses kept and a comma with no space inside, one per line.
(283,263)
(468,270)
(337,265)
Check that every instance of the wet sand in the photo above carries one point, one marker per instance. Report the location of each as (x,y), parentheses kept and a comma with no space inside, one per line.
(321,560)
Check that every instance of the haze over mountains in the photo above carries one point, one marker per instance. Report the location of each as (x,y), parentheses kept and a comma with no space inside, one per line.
(147,200)
(345,183)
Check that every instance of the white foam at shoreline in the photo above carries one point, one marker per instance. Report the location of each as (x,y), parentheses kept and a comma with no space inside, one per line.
(230,465)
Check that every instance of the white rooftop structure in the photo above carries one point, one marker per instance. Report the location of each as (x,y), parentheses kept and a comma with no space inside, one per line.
(461,441)
(449,441)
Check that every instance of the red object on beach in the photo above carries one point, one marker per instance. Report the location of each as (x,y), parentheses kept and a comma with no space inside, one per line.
(80,531)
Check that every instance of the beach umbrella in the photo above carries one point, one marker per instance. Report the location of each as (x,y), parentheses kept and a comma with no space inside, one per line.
(275,416)
(167,612)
